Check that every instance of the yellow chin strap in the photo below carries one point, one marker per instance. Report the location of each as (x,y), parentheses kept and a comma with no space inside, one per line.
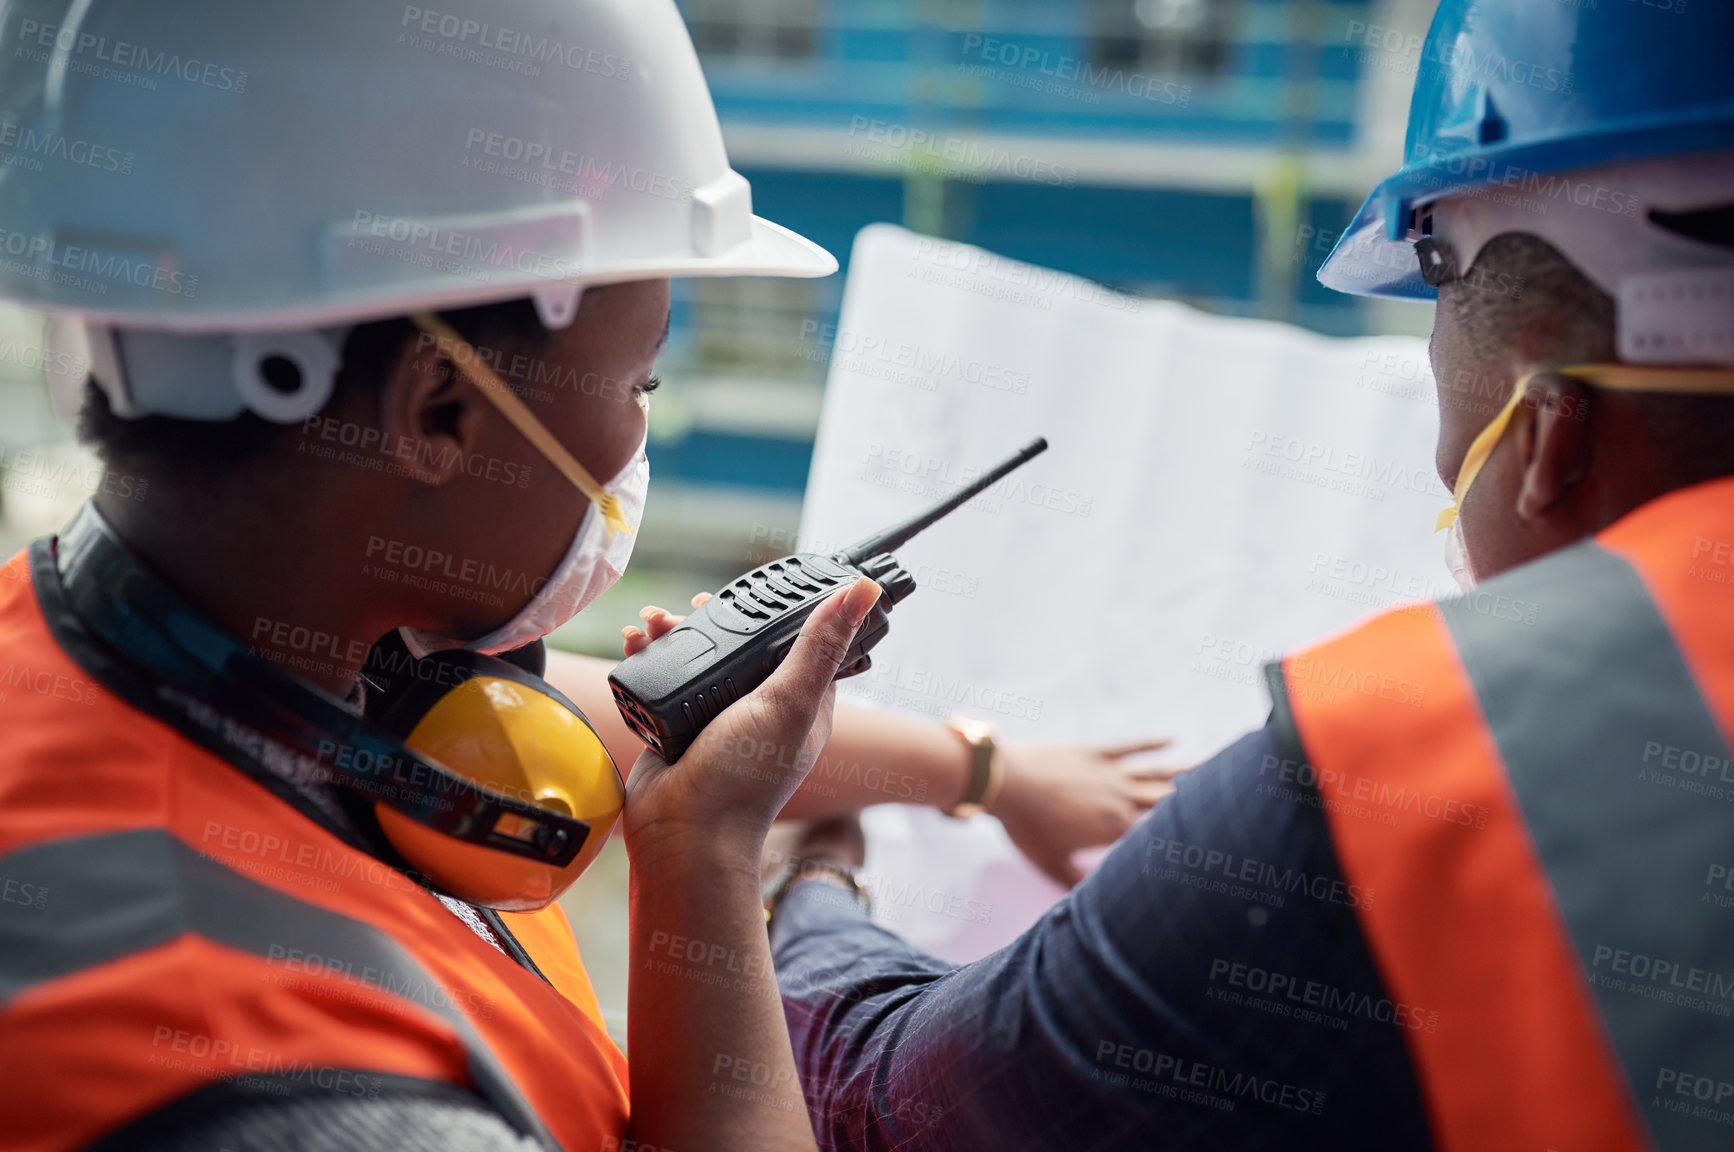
(1616,377)
(467,361)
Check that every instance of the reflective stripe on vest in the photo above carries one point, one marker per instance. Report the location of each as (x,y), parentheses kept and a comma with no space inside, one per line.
(1520,776)
(166,922)
(127,892)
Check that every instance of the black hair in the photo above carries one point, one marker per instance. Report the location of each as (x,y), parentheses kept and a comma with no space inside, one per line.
(161,446)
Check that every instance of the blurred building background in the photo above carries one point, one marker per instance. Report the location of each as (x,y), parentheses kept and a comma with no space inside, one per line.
(1188,149)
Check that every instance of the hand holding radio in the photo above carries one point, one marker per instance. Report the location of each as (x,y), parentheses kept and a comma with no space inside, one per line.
(669,690)
(658,622)
(1057,799)
(744,766)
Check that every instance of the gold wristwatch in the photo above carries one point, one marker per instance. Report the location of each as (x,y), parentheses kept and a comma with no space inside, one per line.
(986,772)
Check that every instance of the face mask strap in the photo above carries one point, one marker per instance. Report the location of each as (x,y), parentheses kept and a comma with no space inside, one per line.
(1481,448)
(1616,377)
(456,349)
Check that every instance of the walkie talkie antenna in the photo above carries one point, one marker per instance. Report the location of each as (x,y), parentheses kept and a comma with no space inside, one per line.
(897,537)
(679,683)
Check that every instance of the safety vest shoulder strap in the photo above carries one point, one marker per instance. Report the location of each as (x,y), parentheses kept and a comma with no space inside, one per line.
(1457,911)
(547,937)
(160,954)
(1591,715)
(1493,767)
(167,923)
(1682,548)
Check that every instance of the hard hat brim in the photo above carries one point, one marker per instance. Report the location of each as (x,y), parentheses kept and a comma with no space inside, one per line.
(1367,262)
(1374,258)
(776,251)
(769,250)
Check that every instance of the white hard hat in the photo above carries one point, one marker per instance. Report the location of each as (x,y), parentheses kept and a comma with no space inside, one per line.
(298,166)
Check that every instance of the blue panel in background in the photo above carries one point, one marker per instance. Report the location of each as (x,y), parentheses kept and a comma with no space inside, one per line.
(1191,243)
(891,61)
(1325,221)
(1339,62)
(1028,68)
(826,207)
(708,459)
(883,45)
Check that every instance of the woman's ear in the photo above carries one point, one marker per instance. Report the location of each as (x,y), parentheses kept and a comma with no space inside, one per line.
(1556,444)
(431,420)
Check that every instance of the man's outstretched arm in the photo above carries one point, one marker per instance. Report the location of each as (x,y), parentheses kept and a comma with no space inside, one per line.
(1054,800)
(1208,982)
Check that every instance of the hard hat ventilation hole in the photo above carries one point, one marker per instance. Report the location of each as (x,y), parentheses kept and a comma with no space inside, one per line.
(284,376)
(281,374)
(1714,226)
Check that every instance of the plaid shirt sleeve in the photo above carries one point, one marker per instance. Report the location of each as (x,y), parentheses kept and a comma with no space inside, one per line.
(1207,986)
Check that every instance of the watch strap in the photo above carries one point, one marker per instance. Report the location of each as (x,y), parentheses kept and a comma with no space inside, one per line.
(985,771)
(800,870)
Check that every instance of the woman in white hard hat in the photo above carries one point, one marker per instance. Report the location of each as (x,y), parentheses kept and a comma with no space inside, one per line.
(372,295)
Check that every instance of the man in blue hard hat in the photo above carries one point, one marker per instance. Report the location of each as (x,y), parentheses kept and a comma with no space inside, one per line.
(1470,887)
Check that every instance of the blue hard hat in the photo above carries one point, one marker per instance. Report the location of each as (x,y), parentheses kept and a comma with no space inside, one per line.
(1507,90)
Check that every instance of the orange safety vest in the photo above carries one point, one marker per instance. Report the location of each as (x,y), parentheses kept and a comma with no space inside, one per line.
(1534,781)
(167,923)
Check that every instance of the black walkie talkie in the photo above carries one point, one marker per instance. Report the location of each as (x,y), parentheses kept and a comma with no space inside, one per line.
(730,645)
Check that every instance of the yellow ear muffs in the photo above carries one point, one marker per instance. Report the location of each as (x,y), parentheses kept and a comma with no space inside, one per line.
(495,725)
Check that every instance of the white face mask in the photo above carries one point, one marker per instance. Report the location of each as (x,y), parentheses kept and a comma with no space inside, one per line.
(593,563)
(1457,557)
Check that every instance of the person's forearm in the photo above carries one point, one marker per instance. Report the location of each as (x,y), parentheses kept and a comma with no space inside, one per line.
(584,681)
(872,757)
(881,758)
(1093,1024)
(711,1063)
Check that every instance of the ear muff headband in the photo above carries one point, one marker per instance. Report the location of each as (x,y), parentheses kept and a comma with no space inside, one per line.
(195,675)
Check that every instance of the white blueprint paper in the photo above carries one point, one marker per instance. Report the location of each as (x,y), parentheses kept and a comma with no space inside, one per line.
(1216,492)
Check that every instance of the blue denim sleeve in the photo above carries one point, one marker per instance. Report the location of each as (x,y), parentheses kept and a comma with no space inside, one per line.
(1207,986)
